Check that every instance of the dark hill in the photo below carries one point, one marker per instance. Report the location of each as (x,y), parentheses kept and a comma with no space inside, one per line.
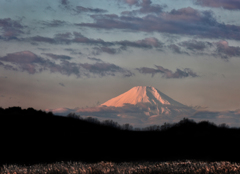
(29,136)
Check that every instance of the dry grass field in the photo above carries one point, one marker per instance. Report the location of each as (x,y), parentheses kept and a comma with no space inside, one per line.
(186,166)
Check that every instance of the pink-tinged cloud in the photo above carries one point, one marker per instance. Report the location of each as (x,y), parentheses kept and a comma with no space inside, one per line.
(24,61)
(102,46)
(21,57)
(30,62)
(11,28)
(226,51)
(226,4)
(149,41)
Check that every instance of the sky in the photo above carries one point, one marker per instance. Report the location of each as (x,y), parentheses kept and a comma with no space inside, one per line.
(79,54)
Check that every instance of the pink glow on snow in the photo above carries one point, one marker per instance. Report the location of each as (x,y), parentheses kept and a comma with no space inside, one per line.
(138,94)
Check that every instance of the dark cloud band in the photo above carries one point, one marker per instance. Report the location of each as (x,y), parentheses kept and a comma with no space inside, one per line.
(166,73)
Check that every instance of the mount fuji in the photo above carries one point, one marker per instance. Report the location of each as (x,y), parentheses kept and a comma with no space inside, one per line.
(140,106)
(156,102)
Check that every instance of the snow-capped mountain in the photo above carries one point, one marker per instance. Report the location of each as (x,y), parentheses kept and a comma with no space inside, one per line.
(157,103)
(140,106)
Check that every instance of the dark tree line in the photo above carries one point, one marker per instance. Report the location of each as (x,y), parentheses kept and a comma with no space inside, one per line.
(32,136)
(164,127)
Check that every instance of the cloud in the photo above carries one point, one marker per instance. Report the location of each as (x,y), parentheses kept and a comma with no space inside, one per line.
(60,57)
(131,2)
(226,4)
(104,69)
(176,49)
(99,50)
(73,51)
(42,39)
(61,84)
(217,49)
(147,43)
(100,45)
(8,67)
(54,23)
(231,118)
(140,114)
(226,51)
(95,59)
(184,21)
(11,28)
(31,63)
(195,45)
(167,73)
(81,9)
(146,6)
(25,60)
(64,2)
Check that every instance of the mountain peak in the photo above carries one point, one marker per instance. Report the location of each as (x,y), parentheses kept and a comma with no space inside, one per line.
(142,94)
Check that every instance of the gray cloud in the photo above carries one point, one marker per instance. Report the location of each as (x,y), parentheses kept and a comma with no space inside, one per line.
(54,23)
(135,115)
(185,21)
(81,9)
(61,84)
(104,69)
(226,4)
(166,73)
(99,50)
(95,59)
(176,49)
(140,114)
(42,39)
(130,2)
(146,6)
(102,46)
(31,63)
(231,118)
(196,45)
(226,51)
(73,51)
(64,2)
(11,28)
(60,57)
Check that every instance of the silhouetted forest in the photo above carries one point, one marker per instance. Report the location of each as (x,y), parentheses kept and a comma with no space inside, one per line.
(29,136)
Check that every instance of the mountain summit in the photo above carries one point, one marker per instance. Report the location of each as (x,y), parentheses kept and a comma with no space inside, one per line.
(139,106)
(148,97)
(142,94)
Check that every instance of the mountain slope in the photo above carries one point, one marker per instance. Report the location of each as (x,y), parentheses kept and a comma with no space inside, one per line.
(145,94)
(150,96)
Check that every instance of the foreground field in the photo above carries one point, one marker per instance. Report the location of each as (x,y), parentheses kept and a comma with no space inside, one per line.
(186,166)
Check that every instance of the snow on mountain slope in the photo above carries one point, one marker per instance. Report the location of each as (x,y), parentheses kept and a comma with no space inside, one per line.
(151,101)
(142,94)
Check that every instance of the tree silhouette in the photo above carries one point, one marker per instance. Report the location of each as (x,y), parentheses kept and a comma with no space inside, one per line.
(92,120)
(110,123)
(73,115)
(127,126)
(223,125)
